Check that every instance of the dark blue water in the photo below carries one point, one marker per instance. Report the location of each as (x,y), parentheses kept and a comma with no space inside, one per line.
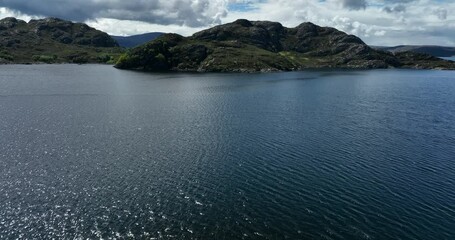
(95,152)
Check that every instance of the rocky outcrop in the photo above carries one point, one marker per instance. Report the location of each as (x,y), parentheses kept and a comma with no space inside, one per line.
(71,33)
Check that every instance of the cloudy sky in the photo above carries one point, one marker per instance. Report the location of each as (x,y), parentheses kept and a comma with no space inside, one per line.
(377,22)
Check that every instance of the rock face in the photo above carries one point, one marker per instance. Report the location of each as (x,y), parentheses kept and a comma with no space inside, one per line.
(51,39)
(247,46)
(71,33)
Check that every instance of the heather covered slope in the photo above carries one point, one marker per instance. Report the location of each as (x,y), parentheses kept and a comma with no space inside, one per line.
(249,46)
(54,40)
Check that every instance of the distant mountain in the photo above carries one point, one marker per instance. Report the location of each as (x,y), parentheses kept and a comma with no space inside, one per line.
(245,46)
(54,40)
(136,40)
(437,51)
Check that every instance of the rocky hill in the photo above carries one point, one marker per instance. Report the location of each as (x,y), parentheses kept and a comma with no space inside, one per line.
(250,46)
(53,40)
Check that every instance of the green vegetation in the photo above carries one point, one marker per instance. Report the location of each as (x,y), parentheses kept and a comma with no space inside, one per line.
(5,56)
(126,60)
(244,46)
(44,58)
(53,40)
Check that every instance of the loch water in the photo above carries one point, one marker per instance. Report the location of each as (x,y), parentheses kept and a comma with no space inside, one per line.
(449,58)
(89,151)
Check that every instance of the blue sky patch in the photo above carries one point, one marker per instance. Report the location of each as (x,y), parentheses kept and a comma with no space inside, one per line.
(243,7)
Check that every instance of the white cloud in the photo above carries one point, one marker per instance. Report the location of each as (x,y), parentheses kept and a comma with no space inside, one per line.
(5,12)
(193,13)
(128,27)
(407,22)
(377,22)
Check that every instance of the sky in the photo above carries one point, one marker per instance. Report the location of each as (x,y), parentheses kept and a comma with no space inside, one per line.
(377,22)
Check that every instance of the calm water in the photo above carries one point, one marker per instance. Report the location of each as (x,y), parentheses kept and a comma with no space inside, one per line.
(449,58)
(91,151)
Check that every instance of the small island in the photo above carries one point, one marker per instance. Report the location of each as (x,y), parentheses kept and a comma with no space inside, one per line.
(263,46)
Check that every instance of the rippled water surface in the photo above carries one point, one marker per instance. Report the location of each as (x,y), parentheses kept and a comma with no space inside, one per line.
(94,152)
